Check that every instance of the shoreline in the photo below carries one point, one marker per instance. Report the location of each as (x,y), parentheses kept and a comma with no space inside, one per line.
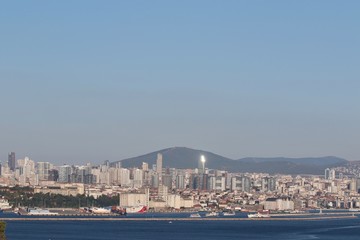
(177,219)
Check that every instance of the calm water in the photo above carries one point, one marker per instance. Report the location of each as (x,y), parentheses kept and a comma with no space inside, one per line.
(56,230)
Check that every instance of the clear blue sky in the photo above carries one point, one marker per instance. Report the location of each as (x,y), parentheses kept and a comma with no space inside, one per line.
(86,81)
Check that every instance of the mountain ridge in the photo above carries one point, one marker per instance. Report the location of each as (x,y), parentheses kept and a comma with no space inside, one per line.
(187,158)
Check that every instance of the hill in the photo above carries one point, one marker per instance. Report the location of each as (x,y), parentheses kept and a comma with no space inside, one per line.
(181,157)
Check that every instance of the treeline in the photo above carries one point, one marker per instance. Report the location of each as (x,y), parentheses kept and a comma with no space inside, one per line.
(26,197)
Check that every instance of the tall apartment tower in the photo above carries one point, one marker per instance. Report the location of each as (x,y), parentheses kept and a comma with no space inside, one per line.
(159,167)
(159,161)
(11,161)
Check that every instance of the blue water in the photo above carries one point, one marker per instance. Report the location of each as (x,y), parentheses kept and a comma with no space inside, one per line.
(199,230)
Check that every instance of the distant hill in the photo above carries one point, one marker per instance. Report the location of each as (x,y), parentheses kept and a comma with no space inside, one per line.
(181,157)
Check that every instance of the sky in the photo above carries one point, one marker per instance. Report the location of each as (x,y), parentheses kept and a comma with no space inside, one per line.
(88,81)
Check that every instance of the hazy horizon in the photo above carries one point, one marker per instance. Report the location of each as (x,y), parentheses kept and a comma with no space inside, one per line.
(88,81)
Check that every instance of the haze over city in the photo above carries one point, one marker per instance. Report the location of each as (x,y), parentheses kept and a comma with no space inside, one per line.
(92,81)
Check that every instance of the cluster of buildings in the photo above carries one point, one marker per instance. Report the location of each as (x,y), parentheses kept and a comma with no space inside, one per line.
(169,188)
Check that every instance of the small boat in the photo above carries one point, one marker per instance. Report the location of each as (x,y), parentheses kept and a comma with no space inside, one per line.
(230,213)
(354,209)
(212,214)
(195,215)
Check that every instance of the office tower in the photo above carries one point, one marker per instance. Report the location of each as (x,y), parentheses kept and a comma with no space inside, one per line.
(11,161)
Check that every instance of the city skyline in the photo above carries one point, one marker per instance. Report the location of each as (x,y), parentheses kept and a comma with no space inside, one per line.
(88,81)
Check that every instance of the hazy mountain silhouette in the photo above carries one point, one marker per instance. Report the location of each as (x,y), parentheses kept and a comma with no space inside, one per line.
(181,157)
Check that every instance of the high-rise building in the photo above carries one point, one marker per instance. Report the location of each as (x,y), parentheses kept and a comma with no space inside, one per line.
(145,166)
(138,178)
(43,169)
(167,180)
(180,182)
(64,173)
(11,161)
(159,162)
(268,184)
(246,184)
(327,173)
(332,174)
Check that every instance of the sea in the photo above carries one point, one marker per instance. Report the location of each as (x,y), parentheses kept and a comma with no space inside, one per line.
(181,229)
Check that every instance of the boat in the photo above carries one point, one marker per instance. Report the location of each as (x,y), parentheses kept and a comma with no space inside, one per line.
(136,209)
(195,215)
(211,214)
(260,214)
(41,212)
(230,213)
(354,209)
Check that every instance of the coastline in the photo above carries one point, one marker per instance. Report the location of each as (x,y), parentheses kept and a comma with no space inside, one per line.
(176,219)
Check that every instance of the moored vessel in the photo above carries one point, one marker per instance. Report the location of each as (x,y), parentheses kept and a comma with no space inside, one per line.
(211,214)
(260,214)
(195,215)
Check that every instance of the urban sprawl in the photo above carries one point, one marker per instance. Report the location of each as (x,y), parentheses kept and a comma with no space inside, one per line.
(170,189)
